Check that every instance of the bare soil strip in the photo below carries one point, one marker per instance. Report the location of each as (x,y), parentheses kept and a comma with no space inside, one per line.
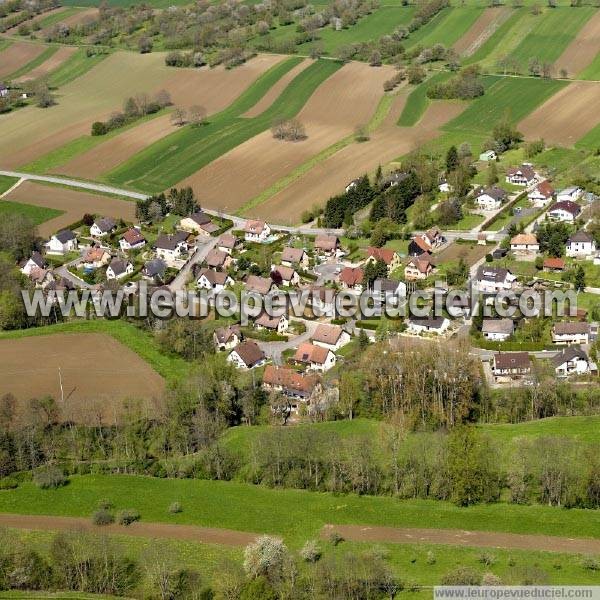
(98,375)
(17,55)
(57,59)
(276,90)
(347,99)
(457,537)
(481,30)
(192,533)
(565,117)
(331,175)
(582,50)
(74,204)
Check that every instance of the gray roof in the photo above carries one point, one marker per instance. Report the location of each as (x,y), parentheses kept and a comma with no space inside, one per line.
(170,242)
(155,267)
(497,326)
(118,266)
(495,274)
(65,236)
(581,236)
(105,224)
(569,354)
(495,192)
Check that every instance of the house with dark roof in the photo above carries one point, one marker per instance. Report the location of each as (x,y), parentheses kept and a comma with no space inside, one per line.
(217,259)
(497,330)
(227,243)
(278,324)
(494,279)
(118,269)
(573,361)
(172,247)
(154,270)
(35,261)
(511,364)
(247,355)
(132,239)
(102,227)
(227,338)
(62,242)
(418,325)
(571,332)
(210,279)
(566,211)
(282,275)
(524,175)
(490,198)
(259,285)
(294,257)
(326,244)
(580,244)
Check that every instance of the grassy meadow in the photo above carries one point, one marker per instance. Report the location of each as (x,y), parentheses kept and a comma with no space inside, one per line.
(36,214)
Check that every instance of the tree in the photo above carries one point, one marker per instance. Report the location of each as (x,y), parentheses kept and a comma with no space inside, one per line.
(44,97)
(266,557)
(375,59)
(452,159)
(145,45)
(197,115)
(178,117)
(374,270)
(492,174)
(579,279)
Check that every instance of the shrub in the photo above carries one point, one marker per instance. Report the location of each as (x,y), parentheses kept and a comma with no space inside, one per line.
(590,563)
(128,516)
(175,507)
(335,538)
(49,478)
(462,576)
(430,558)
(103,517)
(99,128)
(487,559)
(8,483)
(310,552)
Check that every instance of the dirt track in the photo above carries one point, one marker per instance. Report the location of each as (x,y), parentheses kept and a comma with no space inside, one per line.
(482,29)
(98,375)
(582,50)
(565,117)
(346,99)
(17,55)
(192,533)
(74,204)
(330,176)
(457,537)
(57,59)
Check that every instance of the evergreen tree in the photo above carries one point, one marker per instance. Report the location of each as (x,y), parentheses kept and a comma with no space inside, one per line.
(451,159)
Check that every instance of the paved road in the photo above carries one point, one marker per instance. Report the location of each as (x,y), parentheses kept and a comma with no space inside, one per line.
(274,350)
(181,278)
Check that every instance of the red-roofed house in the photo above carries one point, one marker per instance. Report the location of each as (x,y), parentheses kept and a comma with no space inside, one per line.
(314,357)
(389,257)
(351,278)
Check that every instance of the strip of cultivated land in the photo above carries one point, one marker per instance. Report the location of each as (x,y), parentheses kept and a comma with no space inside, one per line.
(58,57)
(483,28)
(580,53)
(179,155)
(565,117)
(72,19)
(17,55)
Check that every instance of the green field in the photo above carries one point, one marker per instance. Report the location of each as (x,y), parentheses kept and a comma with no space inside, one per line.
(36,62)
(57,17)
(417,102)
(515,96)
(180,154)
(76,65)
(592,71)
(36,214)
(6,183)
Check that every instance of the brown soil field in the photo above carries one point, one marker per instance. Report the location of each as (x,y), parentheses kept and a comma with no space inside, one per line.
(481,30)
(582,50)
(330,176)
(17,55)
(276,90)
(98,375)
(82,16)
(470,253)
(346,99)
(566,116)
(31,132)
(214,89)
(457,537)
(73,203)
(57,59)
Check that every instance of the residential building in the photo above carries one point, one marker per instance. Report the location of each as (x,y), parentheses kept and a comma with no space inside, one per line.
(62,242)
(554,264)
(256,231)
(216,281)
(322,300)
(227,243)
(227,338)
(327,244)
(571,332)
(572,361)
(524,175)
(566,211)
(418,325)
(580,244)
(259,285)
(247,355)
(494,279)
(488,155)
(417,268)
(154,270)
(299,387)
(200,223)
(95,258)
(524,243)
(294,257)
(118,269)
(278,324)
(571,194)
(541,195)
(490,198)
(315,358)
(172,247)
(389,288)
(132,239)
(511,364)
(332,337)
(288,275)
(351,278)
(217,259)
(389,257)
(35,261)
(102,227)
(497,330)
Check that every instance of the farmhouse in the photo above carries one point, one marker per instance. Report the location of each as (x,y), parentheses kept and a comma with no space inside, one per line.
(287,275)
(62,242)
(293,257)
(332,337)
(566,211)
(132,239)
(524,175)
(327,244)
(389,257)
(172,247)
(291,384)
(497,330)
(277,324)
(580,244)
(571,332)
(217,259)
(315,357)
(154,270)
(511,364)
(256,231)
(227,338)
(524,243)
(213,280)
(572,361)
(571,194)
(198,222)
(102,227)
(118,269)
(247,355)
(490,198)
(259,285)
(351,278)
(541,195)
(35,261)
(227,243)
(494,279)
(417,268)
(436,325)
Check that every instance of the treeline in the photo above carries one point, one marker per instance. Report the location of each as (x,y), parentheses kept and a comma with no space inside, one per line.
(465,86)
(181,202)
(15,12)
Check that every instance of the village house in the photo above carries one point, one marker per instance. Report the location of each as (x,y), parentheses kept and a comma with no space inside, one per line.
(35,261)
(102,227)
(216,281)
(227,338)
(513,365)
(62,242)
(488,156)
(154,270)
(570,194)
(353,184)
(497,330)
(524,175)
(580,244)
(41,278)
(394,178)
(552,264)
(418,325)
(172,247)
(571,332)
(200,223)
(287,275)
(459,305)
(294,257)
(490,198)
(278,324)
(566,211)
(389,257)
(296,386)
(327,244)
(315,358)
(388,289)
(217,259)
(351,278)
(227,243)
(246,355)
(332,337)
(494,279)
(95,258)
(259,285)
(418,247)
(572,361)
(256,231)
(417,268)
(132,239)
(118,269)
(541,195)
(524,243)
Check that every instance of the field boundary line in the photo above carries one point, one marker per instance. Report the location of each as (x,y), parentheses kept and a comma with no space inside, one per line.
(13,187)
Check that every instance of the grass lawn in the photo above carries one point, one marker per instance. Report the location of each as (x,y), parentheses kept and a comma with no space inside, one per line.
(58,17)
(76,65)
(6,183)
(468,221)
(36,214)
(141,342)
(36,62)
(182,153)
(417,102)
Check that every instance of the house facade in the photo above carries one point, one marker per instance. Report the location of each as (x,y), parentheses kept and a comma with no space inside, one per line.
(580,244)
(571,332)
(566,211)
(256,231)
